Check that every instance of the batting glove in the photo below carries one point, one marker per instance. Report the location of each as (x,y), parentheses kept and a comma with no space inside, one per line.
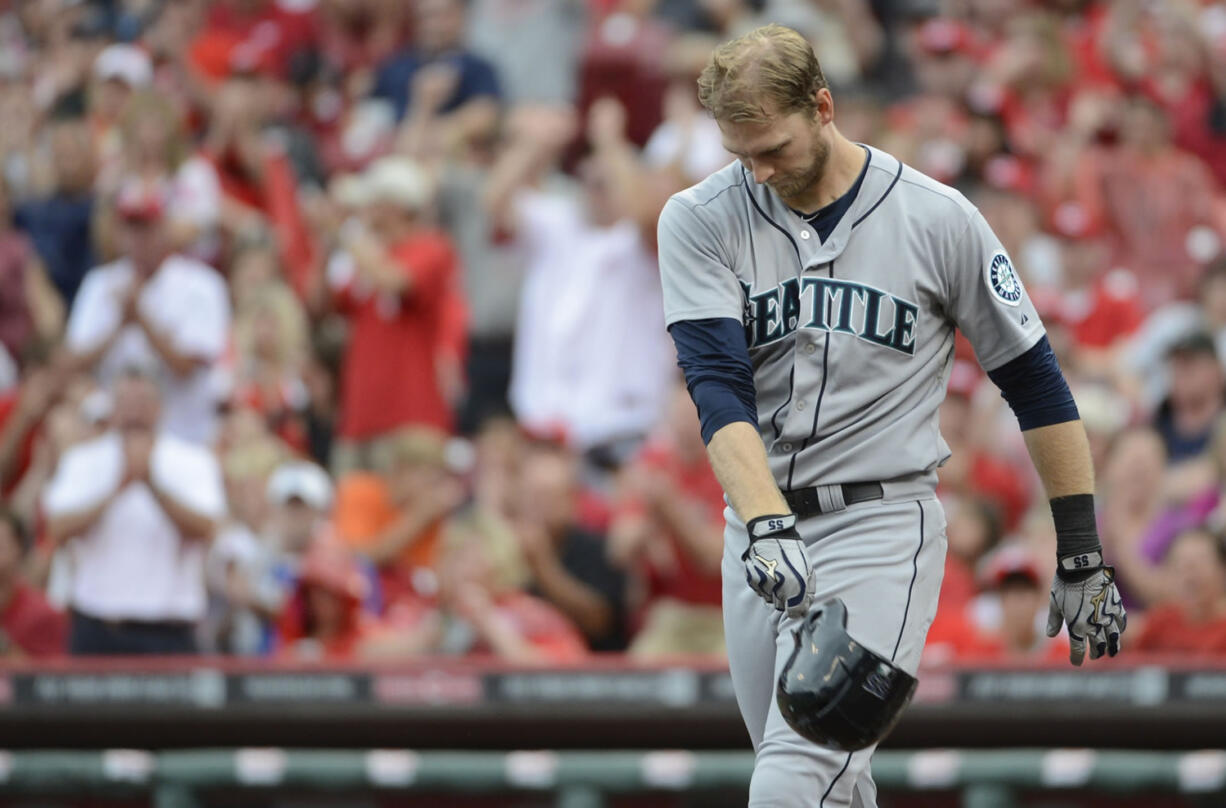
(776,565)
(1084,595)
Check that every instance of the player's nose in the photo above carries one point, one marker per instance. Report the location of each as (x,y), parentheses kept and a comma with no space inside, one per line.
(762,173)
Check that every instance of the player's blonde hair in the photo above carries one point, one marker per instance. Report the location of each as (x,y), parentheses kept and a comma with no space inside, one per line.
(769,71)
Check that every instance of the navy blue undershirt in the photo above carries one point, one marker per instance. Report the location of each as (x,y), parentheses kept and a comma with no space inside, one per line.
(826,218)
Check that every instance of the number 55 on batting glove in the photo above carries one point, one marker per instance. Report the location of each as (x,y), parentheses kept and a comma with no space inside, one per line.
(776,565)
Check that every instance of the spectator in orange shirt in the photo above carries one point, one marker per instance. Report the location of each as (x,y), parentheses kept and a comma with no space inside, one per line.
(1193,621)
(668,531)
(480,607)
(395,518)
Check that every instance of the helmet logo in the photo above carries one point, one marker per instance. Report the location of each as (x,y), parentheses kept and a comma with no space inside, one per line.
(878,683)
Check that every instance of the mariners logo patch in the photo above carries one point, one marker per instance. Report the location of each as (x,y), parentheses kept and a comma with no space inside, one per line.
(1003,280)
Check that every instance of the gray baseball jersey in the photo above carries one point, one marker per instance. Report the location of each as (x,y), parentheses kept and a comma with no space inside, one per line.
(851,339)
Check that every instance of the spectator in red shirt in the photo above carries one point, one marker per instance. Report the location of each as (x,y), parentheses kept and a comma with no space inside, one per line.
(264,30)
(973,530)
(1100,304)
(1155,196)
(29,625)
(22,411)
(394,279)
(1193,621)
(1017,610)
(323,618)
(975,467)
(668,530)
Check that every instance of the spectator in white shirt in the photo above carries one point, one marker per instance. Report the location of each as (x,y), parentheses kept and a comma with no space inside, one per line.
(154,307)
(136,508)
(591,353)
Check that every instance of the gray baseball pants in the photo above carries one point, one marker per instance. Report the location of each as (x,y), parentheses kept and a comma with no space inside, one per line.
(885,559)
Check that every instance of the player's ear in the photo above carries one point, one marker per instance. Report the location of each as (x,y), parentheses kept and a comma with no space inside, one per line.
(824,106)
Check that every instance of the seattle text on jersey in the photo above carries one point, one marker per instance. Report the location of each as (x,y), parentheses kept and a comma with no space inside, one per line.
(832,305)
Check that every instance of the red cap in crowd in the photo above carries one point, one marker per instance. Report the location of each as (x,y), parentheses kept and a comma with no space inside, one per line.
(330,566)
(1071,220)
(941,36)
(1011,561)
(1005,172)
(140,202)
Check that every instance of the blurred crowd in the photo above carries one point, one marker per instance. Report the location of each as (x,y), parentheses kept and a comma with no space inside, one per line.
(331,329)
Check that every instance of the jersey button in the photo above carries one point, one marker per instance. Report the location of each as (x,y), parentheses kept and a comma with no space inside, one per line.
(800,405)
(804,234)
(787,447)
(810,348)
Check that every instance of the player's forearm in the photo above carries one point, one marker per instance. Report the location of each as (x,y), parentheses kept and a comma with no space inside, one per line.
(739,461)
(1061,455)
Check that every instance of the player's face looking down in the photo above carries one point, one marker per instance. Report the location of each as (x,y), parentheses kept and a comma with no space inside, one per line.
(789,152)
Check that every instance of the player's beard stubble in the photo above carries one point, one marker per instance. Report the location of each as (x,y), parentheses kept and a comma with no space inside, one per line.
(792,185)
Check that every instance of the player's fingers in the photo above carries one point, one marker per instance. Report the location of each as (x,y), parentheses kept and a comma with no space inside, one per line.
(1116,632)
(1076,649)
(755,576)
(1098,645)
(798,605)
(1055,620)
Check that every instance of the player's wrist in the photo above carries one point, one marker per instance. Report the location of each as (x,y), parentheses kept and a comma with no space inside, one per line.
(777,526)
(1079,551)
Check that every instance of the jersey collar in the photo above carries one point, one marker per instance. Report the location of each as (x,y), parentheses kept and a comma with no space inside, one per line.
(881,174)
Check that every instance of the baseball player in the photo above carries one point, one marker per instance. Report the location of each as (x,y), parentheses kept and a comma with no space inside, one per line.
(812,289)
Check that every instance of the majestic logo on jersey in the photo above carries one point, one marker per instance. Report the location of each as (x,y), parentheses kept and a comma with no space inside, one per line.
(1003,280)
(832,305)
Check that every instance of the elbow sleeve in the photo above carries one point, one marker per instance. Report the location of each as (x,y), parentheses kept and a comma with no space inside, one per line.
(714,357)
(1035,388)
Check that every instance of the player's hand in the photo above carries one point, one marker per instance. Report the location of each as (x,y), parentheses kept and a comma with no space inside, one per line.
(1092,609)
(777,566)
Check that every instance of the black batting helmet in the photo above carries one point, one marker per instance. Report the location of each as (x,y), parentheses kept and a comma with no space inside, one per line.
(836,692)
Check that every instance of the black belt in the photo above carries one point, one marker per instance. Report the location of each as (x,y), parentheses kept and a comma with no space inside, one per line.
(804,501)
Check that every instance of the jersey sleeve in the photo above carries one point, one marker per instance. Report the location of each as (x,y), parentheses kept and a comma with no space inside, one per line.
(695,271)
(986,298)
